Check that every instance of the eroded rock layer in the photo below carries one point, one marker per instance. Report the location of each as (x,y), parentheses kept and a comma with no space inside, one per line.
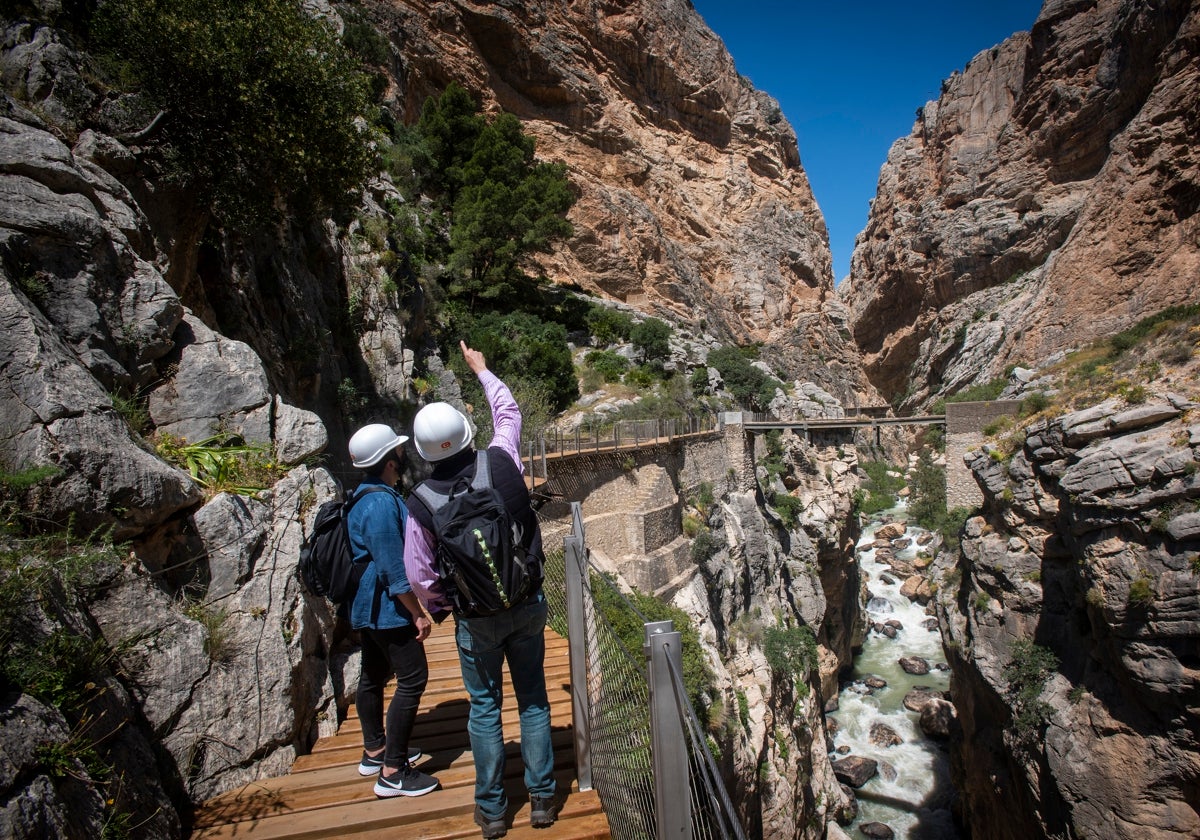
(1048,197)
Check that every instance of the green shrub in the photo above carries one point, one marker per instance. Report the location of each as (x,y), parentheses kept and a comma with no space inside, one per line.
(640,377)
(609,326)
(652,338)
(791,651)
(750,386)
(951,526)
(927,500)
(222,463)
(1141,591)
(259,101)
(881,489)
(363,39)
(611,366)
(788,508)
(521,347)
(1033,403)
(743,709)
(990,390)
(704,546)
(1027,672)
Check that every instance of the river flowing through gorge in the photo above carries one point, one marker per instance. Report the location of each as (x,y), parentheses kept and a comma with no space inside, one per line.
(910,792)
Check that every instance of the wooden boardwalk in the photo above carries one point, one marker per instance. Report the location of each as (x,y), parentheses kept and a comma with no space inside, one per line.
(324,797)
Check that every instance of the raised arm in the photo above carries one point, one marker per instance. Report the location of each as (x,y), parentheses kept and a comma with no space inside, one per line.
(506,415)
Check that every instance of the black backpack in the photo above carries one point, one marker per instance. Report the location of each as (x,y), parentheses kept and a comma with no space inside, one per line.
(327,566)
(481,554)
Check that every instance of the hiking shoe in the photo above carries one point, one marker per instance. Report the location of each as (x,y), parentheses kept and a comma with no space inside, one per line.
(371,765)
(492,828)
(405,782)
(543,811)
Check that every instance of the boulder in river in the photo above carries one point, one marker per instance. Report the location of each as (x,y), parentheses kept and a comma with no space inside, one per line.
(883,735)
(916,588)
(914,665)
(938,718)
(891,531)
(917,698)
(877,831)
(855,770)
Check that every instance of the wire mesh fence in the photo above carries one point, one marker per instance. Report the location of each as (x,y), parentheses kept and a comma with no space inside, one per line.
(615,679)
(713,815)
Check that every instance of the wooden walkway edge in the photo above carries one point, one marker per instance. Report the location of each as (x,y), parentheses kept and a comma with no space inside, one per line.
(324,797)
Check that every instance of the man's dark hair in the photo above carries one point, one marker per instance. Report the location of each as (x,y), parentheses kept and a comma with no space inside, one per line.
(376,469)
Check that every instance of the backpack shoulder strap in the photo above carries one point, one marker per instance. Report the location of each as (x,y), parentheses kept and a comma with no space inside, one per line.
(432,499)
(483,471)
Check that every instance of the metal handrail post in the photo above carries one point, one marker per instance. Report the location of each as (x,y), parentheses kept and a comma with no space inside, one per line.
(577,649)
(668,747)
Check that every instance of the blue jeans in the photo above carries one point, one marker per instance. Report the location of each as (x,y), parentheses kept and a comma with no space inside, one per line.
(483,644)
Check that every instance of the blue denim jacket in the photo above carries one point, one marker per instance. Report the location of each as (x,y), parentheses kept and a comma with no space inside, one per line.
(376,525)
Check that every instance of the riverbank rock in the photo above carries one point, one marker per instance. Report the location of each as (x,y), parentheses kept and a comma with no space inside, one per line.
(855,770)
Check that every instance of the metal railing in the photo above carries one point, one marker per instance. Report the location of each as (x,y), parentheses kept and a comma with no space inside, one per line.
(638,742)
(602,436)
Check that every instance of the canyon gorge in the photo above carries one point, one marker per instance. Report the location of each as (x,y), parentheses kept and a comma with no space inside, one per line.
(1047,199)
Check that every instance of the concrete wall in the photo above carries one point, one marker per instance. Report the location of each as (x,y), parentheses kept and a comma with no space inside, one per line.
(964,432)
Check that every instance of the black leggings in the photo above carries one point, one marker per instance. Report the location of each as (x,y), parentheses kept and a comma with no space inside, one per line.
(385,653)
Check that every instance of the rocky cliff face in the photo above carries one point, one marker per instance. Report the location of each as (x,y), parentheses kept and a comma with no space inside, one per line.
(124,310)
(1048,197)
(1087,547)
(692,203)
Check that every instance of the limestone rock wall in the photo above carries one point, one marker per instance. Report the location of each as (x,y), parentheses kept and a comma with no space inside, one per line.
(1086,546)
(1049,196)
(693,204)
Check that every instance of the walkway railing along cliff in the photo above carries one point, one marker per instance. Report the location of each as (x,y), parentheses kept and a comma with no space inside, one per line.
(609,437)
(637,739)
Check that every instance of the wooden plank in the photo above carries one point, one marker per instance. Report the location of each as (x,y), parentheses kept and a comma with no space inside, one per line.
(324,797)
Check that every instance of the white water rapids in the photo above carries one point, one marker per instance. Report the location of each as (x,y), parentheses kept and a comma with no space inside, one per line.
(911,791)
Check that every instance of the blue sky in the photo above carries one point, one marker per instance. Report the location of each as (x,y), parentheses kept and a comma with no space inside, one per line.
(850,77)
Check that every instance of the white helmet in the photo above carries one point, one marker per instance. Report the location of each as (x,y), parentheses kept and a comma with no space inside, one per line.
(441,430)
(372,443)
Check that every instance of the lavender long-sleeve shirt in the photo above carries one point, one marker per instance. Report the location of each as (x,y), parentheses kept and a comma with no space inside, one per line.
(418,542)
